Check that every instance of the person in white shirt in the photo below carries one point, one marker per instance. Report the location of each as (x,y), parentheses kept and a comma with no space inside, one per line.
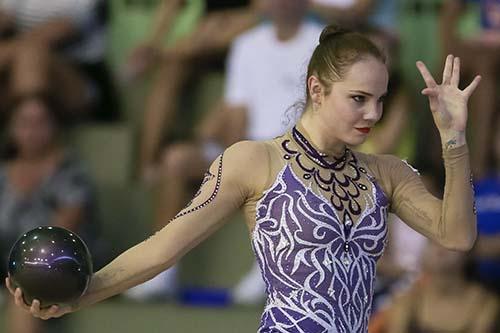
(264,80)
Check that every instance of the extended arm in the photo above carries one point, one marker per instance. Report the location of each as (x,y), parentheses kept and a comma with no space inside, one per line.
(222,192)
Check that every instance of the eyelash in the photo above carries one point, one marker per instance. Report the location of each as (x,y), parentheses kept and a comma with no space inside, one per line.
(358,98)
(361,99)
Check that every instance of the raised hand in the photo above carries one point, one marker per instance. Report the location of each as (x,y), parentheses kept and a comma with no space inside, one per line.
(447,102)
(54,311)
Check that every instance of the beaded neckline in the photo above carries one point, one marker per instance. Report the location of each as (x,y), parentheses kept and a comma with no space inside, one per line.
(316,156)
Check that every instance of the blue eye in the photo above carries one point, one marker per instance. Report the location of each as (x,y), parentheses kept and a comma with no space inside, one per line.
(359,98)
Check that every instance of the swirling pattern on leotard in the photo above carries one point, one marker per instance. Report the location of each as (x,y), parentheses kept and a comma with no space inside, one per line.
(318,267)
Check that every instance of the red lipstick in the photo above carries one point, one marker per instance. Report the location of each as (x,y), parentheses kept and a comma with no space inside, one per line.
(364,130)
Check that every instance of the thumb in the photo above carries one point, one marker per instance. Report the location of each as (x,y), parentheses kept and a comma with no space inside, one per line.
(430,92)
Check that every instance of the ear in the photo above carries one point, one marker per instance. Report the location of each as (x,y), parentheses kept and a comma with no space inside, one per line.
(315,90)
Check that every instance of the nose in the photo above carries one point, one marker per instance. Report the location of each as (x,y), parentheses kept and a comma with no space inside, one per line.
(373,113)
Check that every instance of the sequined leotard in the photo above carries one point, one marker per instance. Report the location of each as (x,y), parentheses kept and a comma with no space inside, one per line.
(318,224)
(320,229)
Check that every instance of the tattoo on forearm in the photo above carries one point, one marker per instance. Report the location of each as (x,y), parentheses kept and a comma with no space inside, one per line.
(450,144)
(206,179)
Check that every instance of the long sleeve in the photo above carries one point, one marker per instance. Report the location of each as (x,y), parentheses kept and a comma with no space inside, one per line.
(230,180)
(450,221)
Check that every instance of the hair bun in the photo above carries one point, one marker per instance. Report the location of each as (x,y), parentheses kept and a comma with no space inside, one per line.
(331,31)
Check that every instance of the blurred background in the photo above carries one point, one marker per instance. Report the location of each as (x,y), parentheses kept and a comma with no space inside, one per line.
(111,110)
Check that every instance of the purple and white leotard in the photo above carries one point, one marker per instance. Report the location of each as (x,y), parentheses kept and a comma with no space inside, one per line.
(318,249)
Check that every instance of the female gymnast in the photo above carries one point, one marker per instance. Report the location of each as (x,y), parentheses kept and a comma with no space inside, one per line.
(315,209)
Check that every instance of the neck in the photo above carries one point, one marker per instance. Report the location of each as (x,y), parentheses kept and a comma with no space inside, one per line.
(319,136)
(286,31)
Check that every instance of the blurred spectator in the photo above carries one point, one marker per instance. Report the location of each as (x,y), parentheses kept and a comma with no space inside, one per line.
(41,183)
(343,12)
(264,58)
(56,49)
(401,263)
(444,300)
(354,13)
(180,62)
(480,53)
(399,267)
(487,249)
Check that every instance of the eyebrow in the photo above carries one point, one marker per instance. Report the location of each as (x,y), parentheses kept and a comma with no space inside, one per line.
(367,93)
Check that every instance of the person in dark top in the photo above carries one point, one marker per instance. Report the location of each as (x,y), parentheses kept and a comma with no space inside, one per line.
(41,183)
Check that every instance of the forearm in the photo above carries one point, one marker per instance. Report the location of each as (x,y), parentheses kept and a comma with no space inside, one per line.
(215,33)
(136,265)
(457,225)
(166,13)
(150,143)
(232,24)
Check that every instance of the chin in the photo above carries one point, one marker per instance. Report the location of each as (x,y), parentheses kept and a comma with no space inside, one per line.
(356,141)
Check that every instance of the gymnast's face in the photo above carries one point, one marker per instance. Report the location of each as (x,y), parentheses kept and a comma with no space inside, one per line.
(354,105)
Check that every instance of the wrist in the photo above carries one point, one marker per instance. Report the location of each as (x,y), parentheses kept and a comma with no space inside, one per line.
(88,296)
(452,139)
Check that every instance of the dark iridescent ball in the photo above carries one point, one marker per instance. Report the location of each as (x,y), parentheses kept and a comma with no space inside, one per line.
(50,264)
